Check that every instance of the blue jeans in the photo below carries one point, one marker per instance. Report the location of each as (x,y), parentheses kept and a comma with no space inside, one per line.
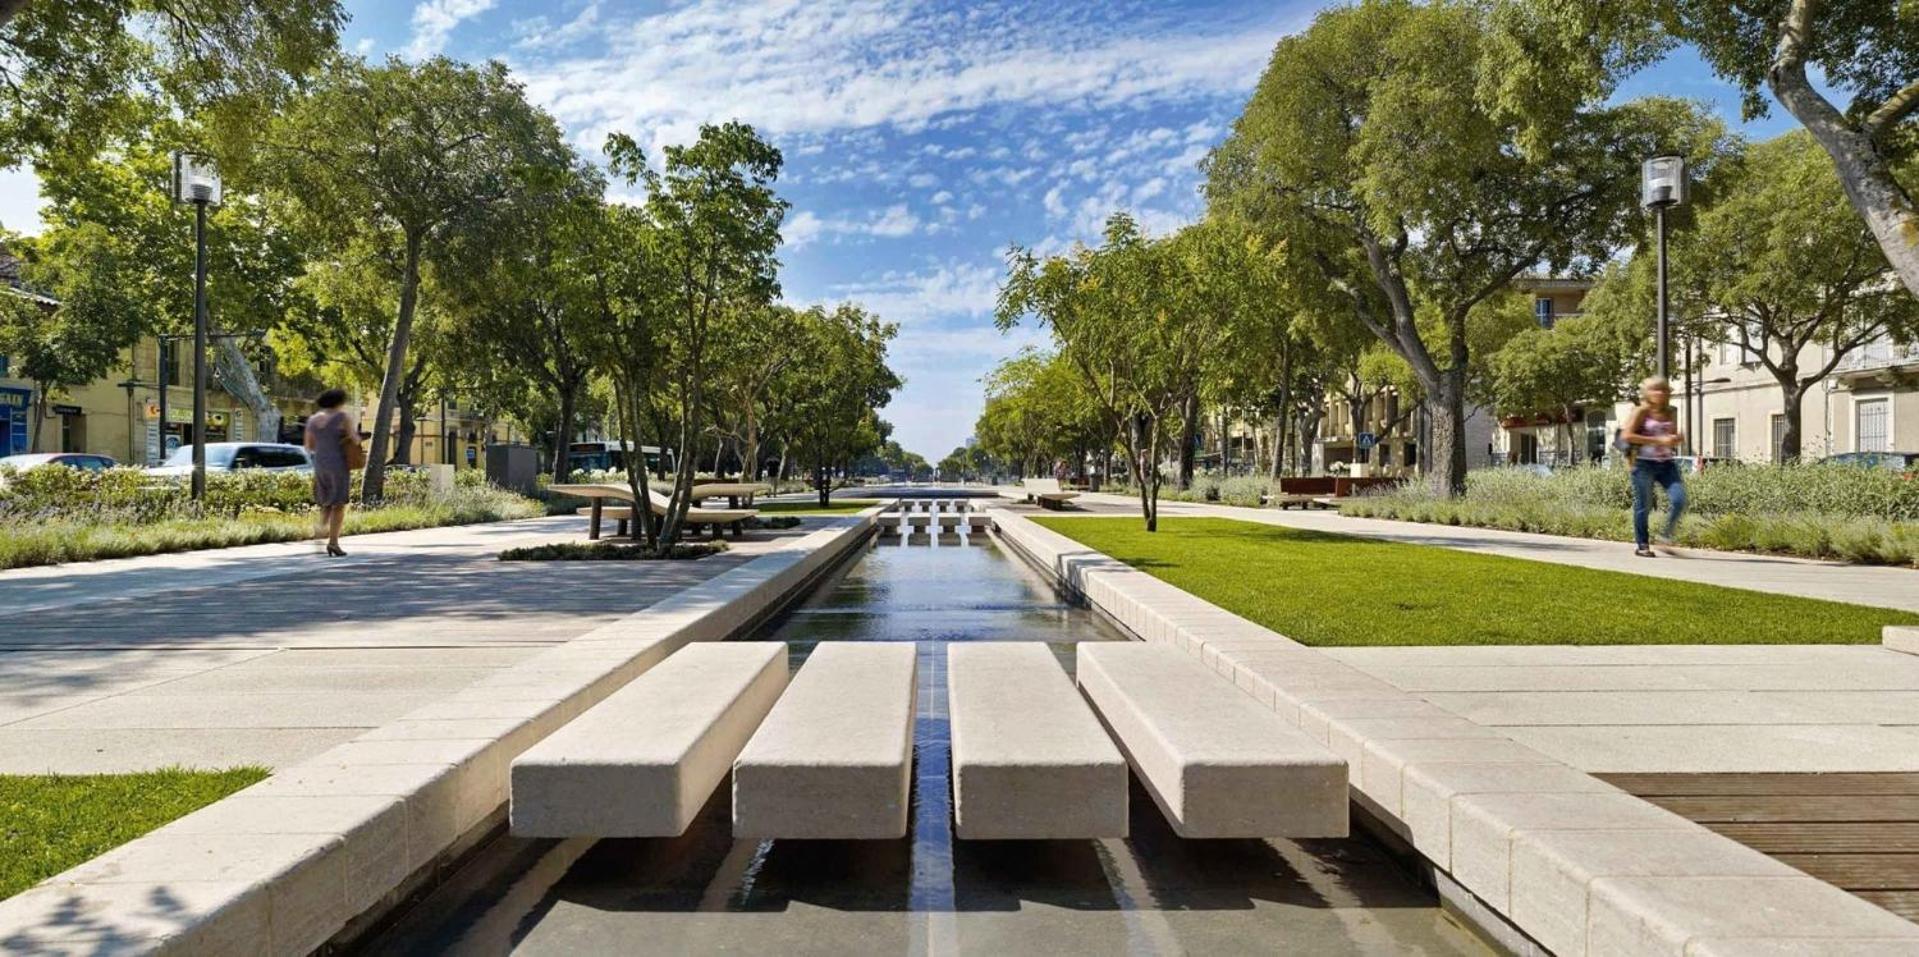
(1645,474)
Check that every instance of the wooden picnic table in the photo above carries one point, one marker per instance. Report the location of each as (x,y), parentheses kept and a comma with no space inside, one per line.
(598,494)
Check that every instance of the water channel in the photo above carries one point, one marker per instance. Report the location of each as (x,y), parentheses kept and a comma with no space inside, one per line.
(1151,893)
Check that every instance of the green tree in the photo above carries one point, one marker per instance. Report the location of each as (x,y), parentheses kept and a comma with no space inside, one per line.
(71,68)
(840,383)
(1366,147)
(1559,370)
(1116,315)
(78,312)
(402,161)
(1556,54)
(715,224)
(525,308)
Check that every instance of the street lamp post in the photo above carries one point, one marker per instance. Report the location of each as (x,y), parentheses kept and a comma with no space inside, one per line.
(1662,185)
(197,181)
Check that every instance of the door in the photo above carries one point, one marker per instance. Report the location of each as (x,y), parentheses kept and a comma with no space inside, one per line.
(1873,421)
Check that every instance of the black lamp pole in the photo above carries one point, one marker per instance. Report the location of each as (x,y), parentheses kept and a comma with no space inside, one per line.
(199,350)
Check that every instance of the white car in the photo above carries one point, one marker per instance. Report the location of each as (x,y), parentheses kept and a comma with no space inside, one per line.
(85,461)
(238,456)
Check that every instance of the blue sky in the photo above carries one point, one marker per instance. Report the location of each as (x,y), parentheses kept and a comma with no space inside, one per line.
(922,137)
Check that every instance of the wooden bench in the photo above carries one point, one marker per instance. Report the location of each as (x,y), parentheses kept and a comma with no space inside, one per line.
(1047,493)
(1290,500)
(642,762)
(1030,762)
(599,494)
(834,759)
(1218,763)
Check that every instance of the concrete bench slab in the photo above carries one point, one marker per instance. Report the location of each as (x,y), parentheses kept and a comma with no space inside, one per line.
(642,762)
(1030,761)
(1901,638)
(1217,763)
(834,759)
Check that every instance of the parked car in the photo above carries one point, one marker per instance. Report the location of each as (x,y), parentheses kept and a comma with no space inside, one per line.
(238,456)
(1694,464)
(1890,461)
(86,461)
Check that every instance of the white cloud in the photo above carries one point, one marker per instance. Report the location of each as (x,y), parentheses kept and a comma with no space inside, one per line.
(434,20)
(942,197)
(922,180)
(539,34)
(811,66)
(897,220)
(801,228)
(954,290)
(1055,206)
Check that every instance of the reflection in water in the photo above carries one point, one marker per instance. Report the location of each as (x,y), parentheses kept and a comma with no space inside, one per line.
(1153,893)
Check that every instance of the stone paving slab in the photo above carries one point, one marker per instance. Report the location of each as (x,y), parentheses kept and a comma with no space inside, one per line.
(1798,748)
(288,652)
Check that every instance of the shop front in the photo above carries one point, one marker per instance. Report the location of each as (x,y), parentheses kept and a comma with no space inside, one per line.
(16,411)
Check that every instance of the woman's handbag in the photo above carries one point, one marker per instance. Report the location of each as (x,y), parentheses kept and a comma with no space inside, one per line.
(354,452)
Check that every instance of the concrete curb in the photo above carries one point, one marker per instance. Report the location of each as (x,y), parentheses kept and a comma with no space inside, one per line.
(1901,638)
(1577,865)
(304,857)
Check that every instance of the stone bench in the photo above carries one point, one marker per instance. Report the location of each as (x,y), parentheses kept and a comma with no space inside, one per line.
(1217,762)
(834,759)
(978,521)
(1029,759)
(642,762)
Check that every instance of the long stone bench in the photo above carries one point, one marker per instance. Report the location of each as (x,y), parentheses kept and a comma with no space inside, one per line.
(834,759)
(1218,764)
(645,760)
(1030,760)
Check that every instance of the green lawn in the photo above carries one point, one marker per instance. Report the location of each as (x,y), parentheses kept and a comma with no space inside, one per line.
(1323,589)
(50,822)
(840,506)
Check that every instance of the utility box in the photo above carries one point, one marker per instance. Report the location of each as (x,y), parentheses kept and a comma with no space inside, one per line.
(439,480)
(515,467)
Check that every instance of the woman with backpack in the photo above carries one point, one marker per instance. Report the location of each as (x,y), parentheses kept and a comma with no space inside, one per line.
(1651,436)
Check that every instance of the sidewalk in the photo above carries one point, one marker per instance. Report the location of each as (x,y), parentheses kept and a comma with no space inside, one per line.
(1879,586)
(269,654)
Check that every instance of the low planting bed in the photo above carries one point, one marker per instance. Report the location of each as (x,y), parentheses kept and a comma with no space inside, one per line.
(847,506)
(53,515)
(1324,589)
(51,822)
(609,552)
(1867,516)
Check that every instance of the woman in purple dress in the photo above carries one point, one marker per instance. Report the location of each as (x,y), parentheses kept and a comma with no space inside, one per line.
(329,433)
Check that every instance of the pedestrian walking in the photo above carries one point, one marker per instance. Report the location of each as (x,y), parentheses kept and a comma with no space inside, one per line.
(1651,436)
(335,443)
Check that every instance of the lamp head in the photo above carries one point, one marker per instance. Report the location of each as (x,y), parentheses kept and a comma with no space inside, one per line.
(195,179)
(1662,182)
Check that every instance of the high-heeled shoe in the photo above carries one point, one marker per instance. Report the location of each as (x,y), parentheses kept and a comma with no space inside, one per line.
(336,551)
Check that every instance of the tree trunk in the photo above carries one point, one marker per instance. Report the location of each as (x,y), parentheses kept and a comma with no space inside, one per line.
(569,402)
(403,437)
(373,487)
(1793,393)
(1448,476)
(1863,170)
(1188,424)
(1225,445)
(9,9)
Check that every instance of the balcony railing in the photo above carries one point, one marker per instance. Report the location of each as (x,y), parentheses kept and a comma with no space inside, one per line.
(1879,355)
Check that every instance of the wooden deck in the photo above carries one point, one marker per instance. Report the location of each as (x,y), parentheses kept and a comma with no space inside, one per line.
(1857,831)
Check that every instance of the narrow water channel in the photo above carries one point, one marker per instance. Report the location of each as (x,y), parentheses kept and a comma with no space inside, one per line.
(1151,893)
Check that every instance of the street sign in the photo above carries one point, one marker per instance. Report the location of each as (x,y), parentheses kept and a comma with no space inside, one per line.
(1367,440)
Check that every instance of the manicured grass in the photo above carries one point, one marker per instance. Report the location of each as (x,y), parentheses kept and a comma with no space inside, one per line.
(1323,589)
(51,822)
(840,506)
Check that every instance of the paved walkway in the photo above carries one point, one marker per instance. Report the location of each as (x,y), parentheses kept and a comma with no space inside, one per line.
(269,654)
(1856,584)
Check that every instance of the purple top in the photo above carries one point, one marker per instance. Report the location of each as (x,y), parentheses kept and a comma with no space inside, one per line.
(1656,428)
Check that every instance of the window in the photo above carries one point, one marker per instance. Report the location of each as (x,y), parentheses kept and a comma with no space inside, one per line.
(1871,418)
(1778,437)
(281,458)
(1724,445)
(1543,312)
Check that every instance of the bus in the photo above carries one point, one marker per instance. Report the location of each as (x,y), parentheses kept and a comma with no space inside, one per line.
(608,456)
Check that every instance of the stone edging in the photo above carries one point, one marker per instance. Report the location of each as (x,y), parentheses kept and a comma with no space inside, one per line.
(1901,638)
(1577,865)
(300,859)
